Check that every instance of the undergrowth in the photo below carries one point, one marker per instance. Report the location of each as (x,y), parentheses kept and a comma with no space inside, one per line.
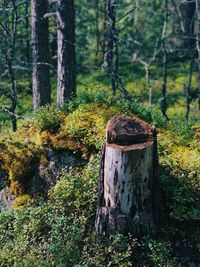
(58,229)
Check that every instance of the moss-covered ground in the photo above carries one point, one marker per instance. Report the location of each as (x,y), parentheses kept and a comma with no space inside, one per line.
(59,230)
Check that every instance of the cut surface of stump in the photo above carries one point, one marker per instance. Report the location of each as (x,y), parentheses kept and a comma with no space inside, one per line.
(124,130)
(127,184)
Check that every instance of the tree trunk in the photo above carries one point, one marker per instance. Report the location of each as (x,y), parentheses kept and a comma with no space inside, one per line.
(112,53)
(189,25)
(41,78)
(66,84)
(97,31)
(127,186)
(198,48)
(104,28)
(165,62)
(188,90)
(27,27)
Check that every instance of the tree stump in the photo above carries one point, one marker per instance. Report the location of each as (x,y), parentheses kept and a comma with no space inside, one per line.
(127,185)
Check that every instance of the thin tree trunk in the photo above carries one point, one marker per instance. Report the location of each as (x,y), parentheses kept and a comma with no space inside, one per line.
(66,84)
(165,59)
(188,89)
(97,30)
(104,28)
(41,78)
(10,55)
(27,2)
(9,60)
(189,25)
(198,48)
(179,15)
(136,13)
(112,44)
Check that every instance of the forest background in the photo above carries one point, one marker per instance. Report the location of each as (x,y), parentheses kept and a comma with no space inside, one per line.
(66,68)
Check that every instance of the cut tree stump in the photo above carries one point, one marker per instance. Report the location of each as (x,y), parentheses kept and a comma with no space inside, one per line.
(127,187)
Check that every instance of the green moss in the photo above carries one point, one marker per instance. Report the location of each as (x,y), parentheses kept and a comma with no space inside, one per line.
(18,157)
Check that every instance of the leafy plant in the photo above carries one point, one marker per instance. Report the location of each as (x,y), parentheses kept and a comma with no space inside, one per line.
(48,118)
(158,252)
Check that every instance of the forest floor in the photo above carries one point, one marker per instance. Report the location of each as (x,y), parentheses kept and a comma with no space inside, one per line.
(57,229)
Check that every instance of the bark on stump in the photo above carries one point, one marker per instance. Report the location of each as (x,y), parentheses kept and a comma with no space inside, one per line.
(127,187)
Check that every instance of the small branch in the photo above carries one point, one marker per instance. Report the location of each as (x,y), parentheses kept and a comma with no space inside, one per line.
(147,65)
(126,14)
(7,110)
(50,14)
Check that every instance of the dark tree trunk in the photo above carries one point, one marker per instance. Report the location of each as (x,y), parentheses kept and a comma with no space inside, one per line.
(27,26)
(66,84)
(165,62)
(189,25)
(198,48)
(9,60)
(97,30)
(41,78)
(128,184)
(188,89)
(10,56)
(112,53)
(104,29)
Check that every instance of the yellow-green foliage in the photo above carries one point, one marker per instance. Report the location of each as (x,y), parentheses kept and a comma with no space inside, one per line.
(83,130)
(21,201)
(18,155)
(48,118)
(181,178)
(88,122)
(16,188)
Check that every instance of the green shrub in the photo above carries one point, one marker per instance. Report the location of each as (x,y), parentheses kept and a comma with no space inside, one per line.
(125,106)
(132,107)
(184,130)
(41,234)
(158,252)
(77,191)
(157,118)
(115,251)
(6,227)
(48,118)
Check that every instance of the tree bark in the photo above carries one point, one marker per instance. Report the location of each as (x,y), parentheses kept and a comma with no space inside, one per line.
(66,69)
(188,90)
(104,28)
(189,25)
(97,30)
(10,56)
(41,78)
(27,26)
(127,188)
(198,48)
(165,62)
(112,53)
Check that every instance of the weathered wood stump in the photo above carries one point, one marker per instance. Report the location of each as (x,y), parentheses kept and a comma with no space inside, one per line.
(127,178)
